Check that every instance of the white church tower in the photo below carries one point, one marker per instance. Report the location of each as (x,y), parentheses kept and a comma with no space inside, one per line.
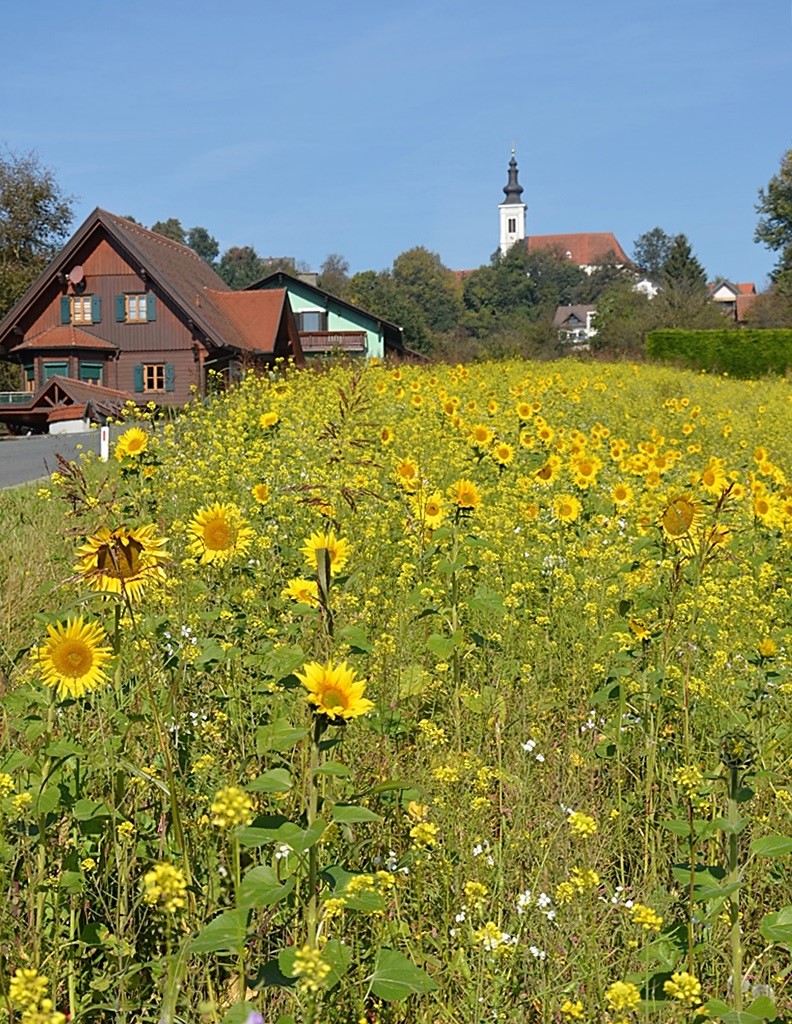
(512,211)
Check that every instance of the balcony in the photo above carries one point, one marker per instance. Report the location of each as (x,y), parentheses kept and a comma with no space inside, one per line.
(333,341)
(15,397)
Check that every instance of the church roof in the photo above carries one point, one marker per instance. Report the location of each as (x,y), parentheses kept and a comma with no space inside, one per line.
(513,190)
(586,249)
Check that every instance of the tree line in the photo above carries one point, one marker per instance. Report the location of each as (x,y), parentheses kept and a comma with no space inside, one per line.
(504,307)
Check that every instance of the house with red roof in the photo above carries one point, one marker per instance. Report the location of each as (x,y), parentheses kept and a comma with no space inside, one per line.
(734,299)
(127,312)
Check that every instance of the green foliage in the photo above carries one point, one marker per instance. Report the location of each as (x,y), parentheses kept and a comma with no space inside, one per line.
(241,265)
(170,228)
(334,275)
(204,244)
(681,272)
(381,294)
(775,224)
(741,353)
(35,215)
(431,286)
(651,250)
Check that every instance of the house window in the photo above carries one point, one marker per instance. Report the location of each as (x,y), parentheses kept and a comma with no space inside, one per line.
(311,320)
(153,376)
(91,373)
(55,370)
(81,309)
(136,308)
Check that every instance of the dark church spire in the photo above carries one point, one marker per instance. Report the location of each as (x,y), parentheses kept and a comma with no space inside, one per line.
(513,189)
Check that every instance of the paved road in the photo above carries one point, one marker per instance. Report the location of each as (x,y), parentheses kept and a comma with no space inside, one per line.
(33,458)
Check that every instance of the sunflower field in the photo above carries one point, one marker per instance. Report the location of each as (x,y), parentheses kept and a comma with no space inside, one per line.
(387,694)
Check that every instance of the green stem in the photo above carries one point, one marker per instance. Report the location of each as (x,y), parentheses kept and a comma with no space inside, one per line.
(734,897)
(313,855)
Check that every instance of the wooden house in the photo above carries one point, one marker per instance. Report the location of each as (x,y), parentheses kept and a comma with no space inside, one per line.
(132,312)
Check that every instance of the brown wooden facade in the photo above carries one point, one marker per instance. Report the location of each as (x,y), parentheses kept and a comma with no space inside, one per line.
(126,309)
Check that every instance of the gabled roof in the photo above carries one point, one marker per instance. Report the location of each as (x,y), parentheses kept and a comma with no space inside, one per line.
(188,281)
(564,313)
(62,398)
(587,249)
(255,316)
(741,288)
(65,337)
(280,279)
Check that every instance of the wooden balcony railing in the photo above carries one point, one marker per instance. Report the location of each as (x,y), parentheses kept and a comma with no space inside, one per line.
(332,341)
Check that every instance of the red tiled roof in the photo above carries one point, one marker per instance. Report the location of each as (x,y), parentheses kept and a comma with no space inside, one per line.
(747,288)
(255,316)
(591,249)
(65,336)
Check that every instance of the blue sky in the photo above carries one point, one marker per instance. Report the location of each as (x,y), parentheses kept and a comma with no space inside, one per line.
(366,128)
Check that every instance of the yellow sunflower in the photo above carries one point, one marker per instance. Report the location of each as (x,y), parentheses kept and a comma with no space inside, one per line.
(386,435)
(503,453)
(122,561)
(131,443)
(549,472)
(584,470)
(268,419)
(679,516)
(407,475)
(566,508)
(431,510)
(261,493)
(219,532)
(334,691)
(465,494)
(481,435)
(302,590)
(337,547)
(72,658)
(622,495)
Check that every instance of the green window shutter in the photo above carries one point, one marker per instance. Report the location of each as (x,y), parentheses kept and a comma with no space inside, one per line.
(65,309)
(96,309)
(120,301)
(138,377)
(170,377)
(151,307)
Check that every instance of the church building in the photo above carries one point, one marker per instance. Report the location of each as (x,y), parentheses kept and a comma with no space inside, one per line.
(588,250)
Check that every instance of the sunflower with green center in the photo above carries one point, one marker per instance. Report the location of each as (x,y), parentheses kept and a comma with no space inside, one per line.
(131,444)
(337,547)
(219,533)
(334,691)
(72,658)
(122,561)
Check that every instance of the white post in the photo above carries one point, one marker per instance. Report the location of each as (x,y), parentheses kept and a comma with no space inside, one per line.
(104,443)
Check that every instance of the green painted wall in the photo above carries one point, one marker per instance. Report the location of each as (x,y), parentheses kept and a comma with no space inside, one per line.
(302,296)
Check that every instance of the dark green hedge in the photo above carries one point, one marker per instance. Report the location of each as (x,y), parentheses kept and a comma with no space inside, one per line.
(738,352)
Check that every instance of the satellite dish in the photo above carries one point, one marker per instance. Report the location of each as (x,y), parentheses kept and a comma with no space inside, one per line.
(76,274)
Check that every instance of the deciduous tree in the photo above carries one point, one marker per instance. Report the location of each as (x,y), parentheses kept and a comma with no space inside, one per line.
(380,294)
(334,275)
(171,228)
(650,252)
(204,244)
(775,224)
(431,286)
(241,265)
(35,216)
